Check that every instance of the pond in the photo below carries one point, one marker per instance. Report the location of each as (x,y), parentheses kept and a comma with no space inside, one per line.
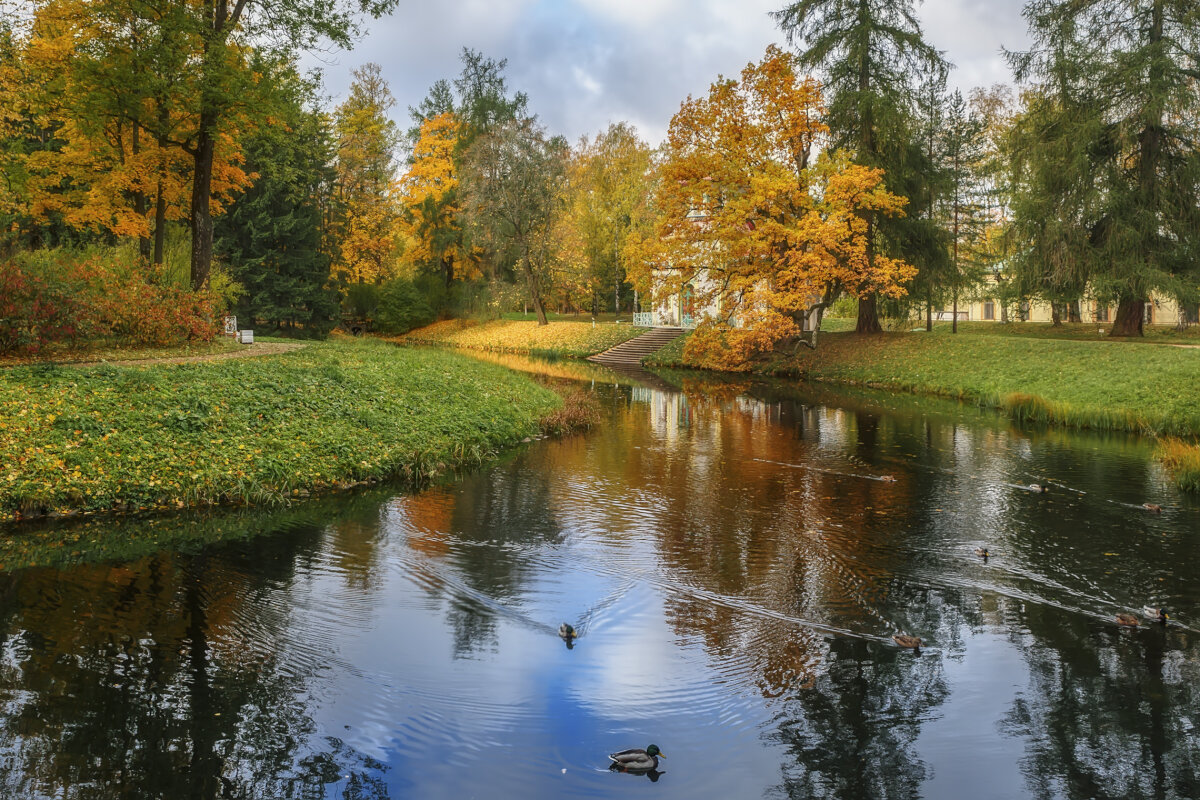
(736,559)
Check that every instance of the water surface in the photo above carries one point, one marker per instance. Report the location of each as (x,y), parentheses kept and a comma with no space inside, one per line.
(736,557)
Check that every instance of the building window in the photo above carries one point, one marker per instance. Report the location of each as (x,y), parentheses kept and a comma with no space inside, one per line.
(989,310)
(1101,313)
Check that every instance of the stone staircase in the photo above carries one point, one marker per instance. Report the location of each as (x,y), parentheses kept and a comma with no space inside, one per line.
(632,352)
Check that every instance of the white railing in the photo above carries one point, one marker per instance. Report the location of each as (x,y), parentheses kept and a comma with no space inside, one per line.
(643,319)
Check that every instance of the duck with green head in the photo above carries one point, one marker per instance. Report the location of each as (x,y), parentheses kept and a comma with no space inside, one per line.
(636,760)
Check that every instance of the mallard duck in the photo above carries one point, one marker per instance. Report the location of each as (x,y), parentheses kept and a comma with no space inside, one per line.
(983,552)
(1037,487)
(908,641)
(637,760)
(888,478)
(567,632)
(1153,508)
(1127,619)
(1157,614)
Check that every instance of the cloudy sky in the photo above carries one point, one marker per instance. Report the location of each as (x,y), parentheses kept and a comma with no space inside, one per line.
(586,63)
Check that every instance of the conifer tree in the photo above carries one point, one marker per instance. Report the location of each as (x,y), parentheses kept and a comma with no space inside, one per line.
(870,52)
(1111,138)
(273,236)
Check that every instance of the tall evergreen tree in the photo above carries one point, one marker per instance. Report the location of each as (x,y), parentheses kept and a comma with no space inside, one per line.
(272,236)
(1114,125)
(869,52)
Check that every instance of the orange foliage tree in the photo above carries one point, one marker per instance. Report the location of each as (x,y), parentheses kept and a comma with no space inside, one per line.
(102,81)
(753,223)
(369,230)
(431,205)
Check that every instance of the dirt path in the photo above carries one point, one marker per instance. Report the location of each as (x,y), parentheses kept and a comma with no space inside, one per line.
(249,351)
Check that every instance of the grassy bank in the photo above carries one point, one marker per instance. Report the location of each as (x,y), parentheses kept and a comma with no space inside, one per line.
(254,430)
(560,338)
(1104,385)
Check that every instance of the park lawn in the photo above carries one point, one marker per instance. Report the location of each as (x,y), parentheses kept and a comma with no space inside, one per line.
(1080,331)
(251,430)
(569,339)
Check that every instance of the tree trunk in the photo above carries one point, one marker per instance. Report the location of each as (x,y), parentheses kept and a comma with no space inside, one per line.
(535,294)
(929,310)
(954,311)
(201,216)
(868,316)
(1073,312)
(160,225)
(1128,321)
(1055,314)
(141,204)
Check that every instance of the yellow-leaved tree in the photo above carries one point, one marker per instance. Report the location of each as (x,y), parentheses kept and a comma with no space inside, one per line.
(754,224)
(430,201)
(368,232)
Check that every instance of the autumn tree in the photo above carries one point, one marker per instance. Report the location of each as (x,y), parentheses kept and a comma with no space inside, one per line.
(513,178)
(870,53)
(222,28)
(90,81)
(367,138)
(448,121)
(1112,125)
(607,195)
(753,222)
(430,197)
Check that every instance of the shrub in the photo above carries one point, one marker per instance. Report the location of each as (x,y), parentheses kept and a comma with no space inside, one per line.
(55,296)
(40,307)
(401,308)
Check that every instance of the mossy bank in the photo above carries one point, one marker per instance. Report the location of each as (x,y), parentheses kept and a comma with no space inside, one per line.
(249,431)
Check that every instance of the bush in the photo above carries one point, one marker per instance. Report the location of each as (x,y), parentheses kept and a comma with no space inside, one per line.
(41,307)
(362,299)
(53,297)
(401,308)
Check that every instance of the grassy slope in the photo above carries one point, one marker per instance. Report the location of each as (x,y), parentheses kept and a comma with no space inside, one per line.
(572,339)
(251,430)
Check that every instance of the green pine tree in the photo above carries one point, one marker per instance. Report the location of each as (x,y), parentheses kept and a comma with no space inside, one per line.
(273,235)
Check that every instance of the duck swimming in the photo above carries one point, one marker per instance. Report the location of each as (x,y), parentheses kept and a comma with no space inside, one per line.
(1159,615)
(1153,508)
(1128,620)
(567,632)
(636,760)
(1037,487)
(908,641)
(983,552)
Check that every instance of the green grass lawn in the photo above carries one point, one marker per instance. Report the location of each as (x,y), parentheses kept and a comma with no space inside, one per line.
(1086,332)
(570,339)
(251,430)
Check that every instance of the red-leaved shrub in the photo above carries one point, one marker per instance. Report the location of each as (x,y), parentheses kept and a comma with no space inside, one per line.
(59,299)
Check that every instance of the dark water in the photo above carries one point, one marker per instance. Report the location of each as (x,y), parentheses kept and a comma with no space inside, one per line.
(736,564)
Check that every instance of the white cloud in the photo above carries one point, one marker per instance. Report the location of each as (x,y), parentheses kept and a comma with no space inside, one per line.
(586,63)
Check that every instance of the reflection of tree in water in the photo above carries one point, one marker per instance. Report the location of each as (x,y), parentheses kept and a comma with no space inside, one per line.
(160,678)
(799,542)
(498,517)
(1102,714)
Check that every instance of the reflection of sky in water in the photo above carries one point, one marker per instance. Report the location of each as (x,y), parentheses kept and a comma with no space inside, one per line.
(736,567)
